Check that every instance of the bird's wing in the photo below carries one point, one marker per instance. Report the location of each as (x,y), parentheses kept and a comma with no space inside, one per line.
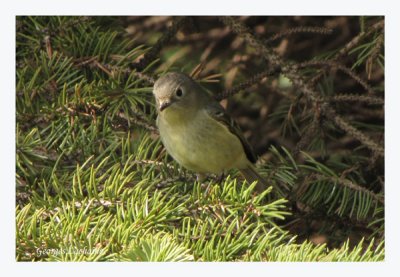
(216,111)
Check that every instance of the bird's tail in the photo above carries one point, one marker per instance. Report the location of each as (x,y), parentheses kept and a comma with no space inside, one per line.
(251,175)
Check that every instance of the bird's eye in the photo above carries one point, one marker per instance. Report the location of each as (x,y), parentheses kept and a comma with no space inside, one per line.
(179,92)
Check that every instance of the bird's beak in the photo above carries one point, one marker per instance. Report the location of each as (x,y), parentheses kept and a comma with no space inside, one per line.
(164,105)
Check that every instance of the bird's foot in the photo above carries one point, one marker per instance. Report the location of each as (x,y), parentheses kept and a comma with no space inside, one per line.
(221,178)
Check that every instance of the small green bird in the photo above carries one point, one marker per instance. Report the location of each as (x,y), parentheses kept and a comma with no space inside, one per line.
(197,132)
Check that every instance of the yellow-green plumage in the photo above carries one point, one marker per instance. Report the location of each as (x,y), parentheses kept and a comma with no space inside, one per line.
(201,143)
(197,132)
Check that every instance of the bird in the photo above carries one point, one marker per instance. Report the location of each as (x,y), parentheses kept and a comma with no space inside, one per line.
(198,133)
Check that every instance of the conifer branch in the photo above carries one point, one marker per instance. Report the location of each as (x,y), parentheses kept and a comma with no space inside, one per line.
(352,131)
(371,100)
(347,48)
(307,136)
(357,39)
(291,72)
(374,54)
(246,84)
(333,65)
(300,29)
(351,185)
(109,68)
(140,120)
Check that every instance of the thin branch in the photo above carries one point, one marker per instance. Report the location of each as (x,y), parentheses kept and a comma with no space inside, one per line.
(140,120)
(108,69)
(301,29)
(357,98)
(291,72)
(348,71)
(357,39)
(246,84)
(350,45)
(148,78)
(352,131)
(374,54)
(351,185)
(309,134)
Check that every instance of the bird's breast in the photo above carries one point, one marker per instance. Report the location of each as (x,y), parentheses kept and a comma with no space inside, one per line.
(201,143)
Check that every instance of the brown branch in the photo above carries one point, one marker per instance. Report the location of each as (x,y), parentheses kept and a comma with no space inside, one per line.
(352,131)
(246,84)
(351,185)
(140,120)
(108,69)
(301,29)
(356,98)
(343,68)
(54,31)
(350,45)
(307,136)
(148,78)
(291,72)
(374,54)
(357,39)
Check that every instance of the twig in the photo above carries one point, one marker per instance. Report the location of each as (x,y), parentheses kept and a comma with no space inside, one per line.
(249,82)
(349,184)
(156,163)
(148,78)
(350,45)
(356,98)
(348,71)
(108,69)
(307,136)
(49,49)
(374,54)
(357,134)
(357,39)
(291,72)
(140,120)
(301,29)
(81,20)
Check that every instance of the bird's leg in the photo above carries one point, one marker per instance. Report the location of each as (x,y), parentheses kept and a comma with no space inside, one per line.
(200,178)
(221,178)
